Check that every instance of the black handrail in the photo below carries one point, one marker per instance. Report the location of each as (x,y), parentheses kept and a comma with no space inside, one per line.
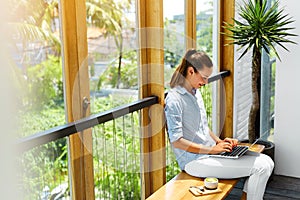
(62,131)
(218,76)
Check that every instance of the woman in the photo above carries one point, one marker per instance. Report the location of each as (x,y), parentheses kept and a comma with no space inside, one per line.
(193,141)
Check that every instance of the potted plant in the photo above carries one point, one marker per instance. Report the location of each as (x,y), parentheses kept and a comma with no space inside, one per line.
(260,27)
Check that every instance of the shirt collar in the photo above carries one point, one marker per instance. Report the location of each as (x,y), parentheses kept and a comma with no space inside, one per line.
(182,90)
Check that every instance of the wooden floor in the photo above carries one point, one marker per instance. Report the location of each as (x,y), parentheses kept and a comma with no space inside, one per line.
(280,187)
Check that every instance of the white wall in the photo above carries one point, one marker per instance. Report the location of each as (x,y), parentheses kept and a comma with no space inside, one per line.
(287,102)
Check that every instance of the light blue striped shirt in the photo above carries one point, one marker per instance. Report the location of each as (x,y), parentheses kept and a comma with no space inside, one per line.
(186,118)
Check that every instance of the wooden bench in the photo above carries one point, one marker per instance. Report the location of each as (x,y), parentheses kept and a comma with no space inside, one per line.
(178,187)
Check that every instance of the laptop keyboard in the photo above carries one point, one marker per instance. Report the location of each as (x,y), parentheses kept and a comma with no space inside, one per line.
(236,151)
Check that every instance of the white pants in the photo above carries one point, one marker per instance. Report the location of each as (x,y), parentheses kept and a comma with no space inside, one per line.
(258,168)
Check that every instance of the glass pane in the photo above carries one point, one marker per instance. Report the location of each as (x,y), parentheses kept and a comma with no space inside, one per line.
(174,39)
(35,53)
(207,40)
(113,71)
(174,49)
(112,40)
(117,158)
(44,172)
(204,23)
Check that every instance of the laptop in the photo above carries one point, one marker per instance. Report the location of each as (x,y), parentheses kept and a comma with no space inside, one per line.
(236,152)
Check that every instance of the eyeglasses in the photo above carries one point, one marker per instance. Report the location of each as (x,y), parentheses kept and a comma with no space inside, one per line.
(204,77)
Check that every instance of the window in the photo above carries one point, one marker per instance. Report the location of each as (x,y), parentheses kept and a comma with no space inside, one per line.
(36,56)
(174,39)
(112,40)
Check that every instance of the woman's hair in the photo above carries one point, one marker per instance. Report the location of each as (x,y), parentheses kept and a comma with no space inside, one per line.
(192,58)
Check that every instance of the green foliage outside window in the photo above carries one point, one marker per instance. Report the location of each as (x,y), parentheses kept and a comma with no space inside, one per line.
(129,73)
(44,84)
(45,166)
(204,33)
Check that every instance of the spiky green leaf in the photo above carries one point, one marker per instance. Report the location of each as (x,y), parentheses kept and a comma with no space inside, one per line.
(260,27)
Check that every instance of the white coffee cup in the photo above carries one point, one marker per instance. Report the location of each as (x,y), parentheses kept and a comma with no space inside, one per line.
(211,183)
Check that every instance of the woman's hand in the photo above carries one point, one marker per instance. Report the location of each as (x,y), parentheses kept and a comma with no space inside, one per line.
(225,145)
(222,146)
(232,141)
